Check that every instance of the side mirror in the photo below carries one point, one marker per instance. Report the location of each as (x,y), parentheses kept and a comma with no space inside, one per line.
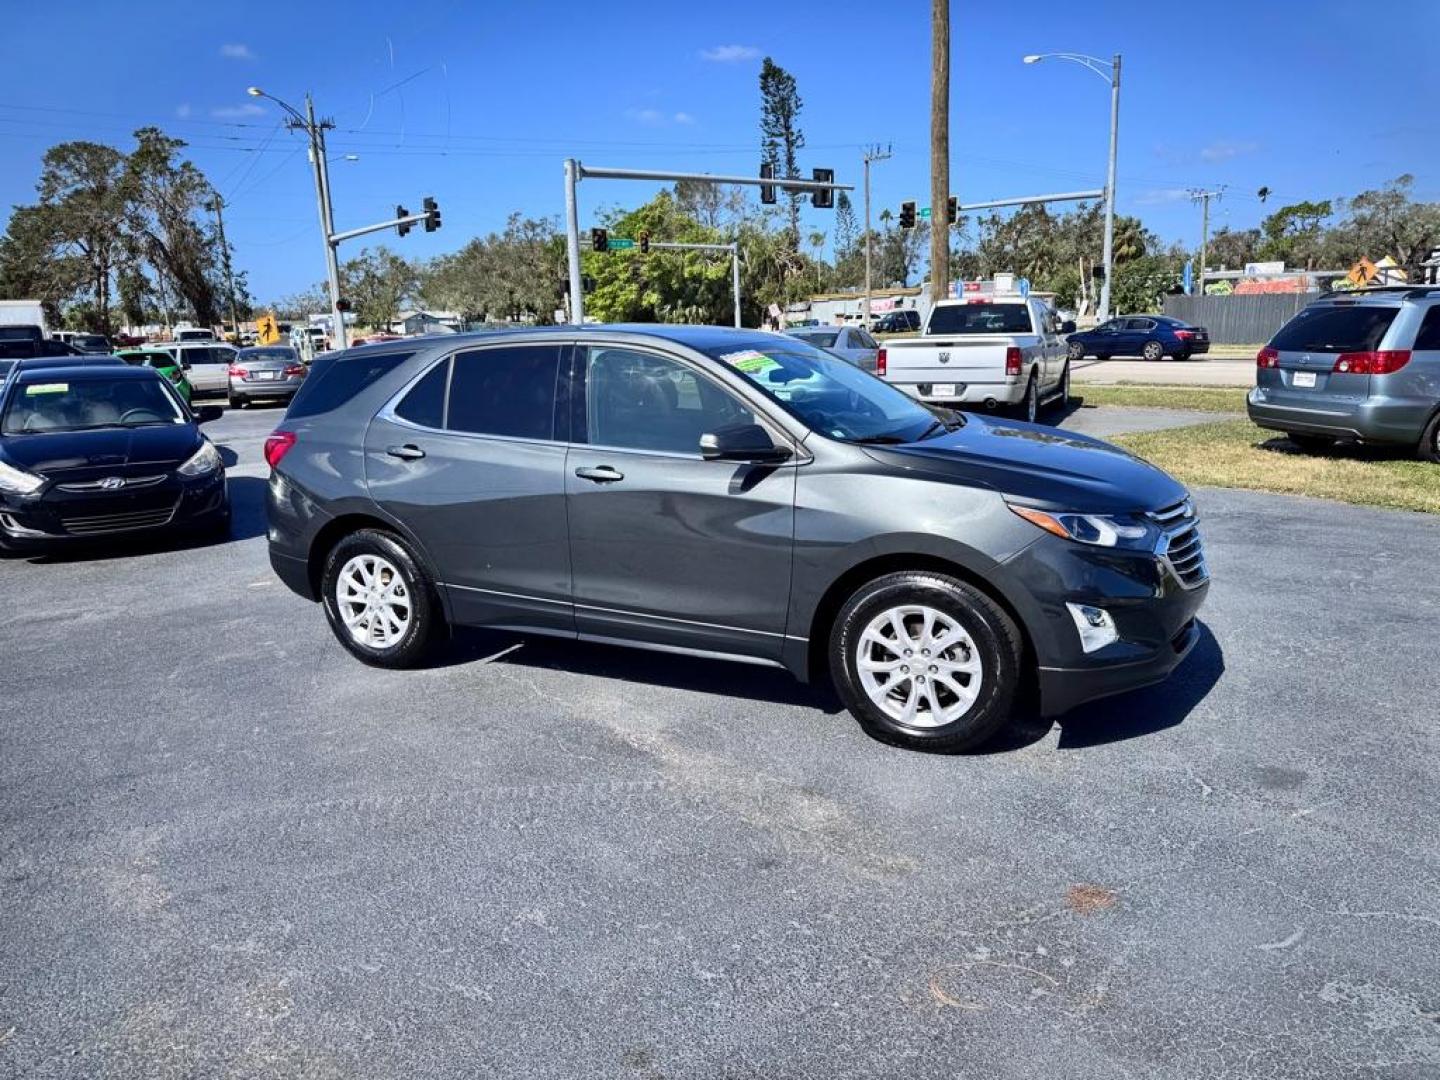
(741,442)
(1068,326)
(205,413)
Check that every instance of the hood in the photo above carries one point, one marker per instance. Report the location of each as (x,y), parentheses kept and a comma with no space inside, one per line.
(1041,466)
(102,452)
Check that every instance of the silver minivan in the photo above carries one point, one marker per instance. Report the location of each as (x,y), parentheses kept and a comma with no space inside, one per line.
(1361,366)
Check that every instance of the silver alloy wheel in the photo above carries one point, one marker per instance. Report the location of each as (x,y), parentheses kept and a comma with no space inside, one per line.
(1075,352)
(373,601)
(1153,350)
(918,666)
(1032,400)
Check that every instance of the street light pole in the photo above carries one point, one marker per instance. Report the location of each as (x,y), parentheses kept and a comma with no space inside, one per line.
(873,154)
(315,132)
(1113,77)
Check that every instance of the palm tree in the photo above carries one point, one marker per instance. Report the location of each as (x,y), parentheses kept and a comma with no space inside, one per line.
(885,218)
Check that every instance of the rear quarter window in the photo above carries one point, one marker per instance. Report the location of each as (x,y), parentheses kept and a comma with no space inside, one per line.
(335,379)
(1428,339)
(1339,329)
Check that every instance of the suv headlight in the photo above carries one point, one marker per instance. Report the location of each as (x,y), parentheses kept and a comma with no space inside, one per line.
(204,460)
(15,481)
(1101,530)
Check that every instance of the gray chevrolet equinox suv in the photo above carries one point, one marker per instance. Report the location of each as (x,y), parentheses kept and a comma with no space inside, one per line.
(731,494)
(1359,366)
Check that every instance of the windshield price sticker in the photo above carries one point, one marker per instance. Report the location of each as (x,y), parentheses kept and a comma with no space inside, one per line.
(47,388)
(751,362)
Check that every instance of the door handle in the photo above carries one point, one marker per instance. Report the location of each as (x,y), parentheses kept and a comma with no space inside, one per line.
(408,452)
(603,474)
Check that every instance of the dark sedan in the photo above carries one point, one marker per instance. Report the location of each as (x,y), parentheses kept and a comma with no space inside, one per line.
(99,450)
(1149,336)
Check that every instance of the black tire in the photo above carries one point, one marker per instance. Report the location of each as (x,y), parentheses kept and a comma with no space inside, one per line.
(996,642)
(424,606)
(1062,399)
(1184,354)
(235,402)
(1152,350)
(1430,440)
(1311,444)
(1075,351)
(1102,356)
(1029,407)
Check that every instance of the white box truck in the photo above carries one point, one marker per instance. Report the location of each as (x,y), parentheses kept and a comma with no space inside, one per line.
(23,313)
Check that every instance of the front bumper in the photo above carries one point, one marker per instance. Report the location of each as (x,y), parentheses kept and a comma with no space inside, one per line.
(1153,608)
(59,517)
(1373,419)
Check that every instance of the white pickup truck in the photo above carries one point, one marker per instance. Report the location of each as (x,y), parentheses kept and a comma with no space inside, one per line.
(994,349)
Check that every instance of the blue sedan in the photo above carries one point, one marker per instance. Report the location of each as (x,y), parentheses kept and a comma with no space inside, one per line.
(1148,336)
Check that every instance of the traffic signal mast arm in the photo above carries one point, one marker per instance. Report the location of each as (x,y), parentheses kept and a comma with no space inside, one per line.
(393,223)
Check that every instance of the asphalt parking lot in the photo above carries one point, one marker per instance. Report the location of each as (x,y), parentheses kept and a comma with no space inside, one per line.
(228,849)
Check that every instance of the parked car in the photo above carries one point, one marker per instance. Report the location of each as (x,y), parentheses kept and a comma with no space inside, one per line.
(92,344)
(205,363)
(266,371)
(996,350)
(193,333)
(904,321)
(165,364)
(102,449)
(1362,366)
(1151,337)
(731,494)
(851,343)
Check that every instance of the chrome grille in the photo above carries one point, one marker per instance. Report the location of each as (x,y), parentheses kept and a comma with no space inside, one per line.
(88,524)
(1184,510)
(1184,553)
(128,483)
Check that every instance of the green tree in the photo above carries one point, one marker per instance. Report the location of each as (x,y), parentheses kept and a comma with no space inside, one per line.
(82,192)
(846,228)
(780,134)
(377,283)
(1386,221)
(1233,248)
(1294,233)
(514,275)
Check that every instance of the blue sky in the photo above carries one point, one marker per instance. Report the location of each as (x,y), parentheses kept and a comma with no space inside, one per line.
(479,104)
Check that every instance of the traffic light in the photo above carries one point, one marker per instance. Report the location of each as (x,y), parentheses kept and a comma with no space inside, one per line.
(432,214)
(767,191)
(644,241)
(599,240)
(405,226)
(907,215)
(824,199)
(1097,272)
(952,210)
(342,304)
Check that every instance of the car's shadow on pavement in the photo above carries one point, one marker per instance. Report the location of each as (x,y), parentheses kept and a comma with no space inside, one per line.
(1126,716)
(639,666)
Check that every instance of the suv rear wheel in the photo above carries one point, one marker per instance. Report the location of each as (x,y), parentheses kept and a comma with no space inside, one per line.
(926,661)
(380,603)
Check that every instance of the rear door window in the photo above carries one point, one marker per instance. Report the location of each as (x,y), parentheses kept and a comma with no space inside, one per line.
(507,391)
(1338,329)
(335,379)
(1428,339)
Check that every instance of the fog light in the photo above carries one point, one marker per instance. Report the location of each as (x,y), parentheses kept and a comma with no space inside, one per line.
(1096,627)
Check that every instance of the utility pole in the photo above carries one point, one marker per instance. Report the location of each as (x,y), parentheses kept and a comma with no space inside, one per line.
(872,154)
(218,205)
(939,149)
(1203,198)
(316,131)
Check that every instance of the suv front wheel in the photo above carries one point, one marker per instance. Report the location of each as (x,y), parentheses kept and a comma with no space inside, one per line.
(926,661)
(380,603)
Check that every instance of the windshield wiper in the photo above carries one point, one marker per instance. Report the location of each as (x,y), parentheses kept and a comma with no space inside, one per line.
(880,440)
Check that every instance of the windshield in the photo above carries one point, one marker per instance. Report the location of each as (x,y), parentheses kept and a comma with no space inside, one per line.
(279,355)
(83,404)
(823,339)
(830,396)
(1337,329)
(983,318)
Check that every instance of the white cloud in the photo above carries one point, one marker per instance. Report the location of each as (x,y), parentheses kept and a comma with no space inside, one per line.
(1156,196)
(730,54)
(236,51)
(183,110)
(648,117)
(684,118)
(238,112)
(1225,149)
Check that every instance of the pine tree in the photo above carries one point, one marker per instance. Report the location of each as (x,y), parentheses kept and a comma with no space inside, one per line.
(780,134)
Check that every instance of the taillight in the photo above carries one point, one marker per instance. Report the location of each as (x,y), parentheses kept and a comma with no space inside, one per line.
(238,372)
(1381,362)
(1012,360)
(293,370)
(1267,357)
(277,445)
(880,362)
(1184,335)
